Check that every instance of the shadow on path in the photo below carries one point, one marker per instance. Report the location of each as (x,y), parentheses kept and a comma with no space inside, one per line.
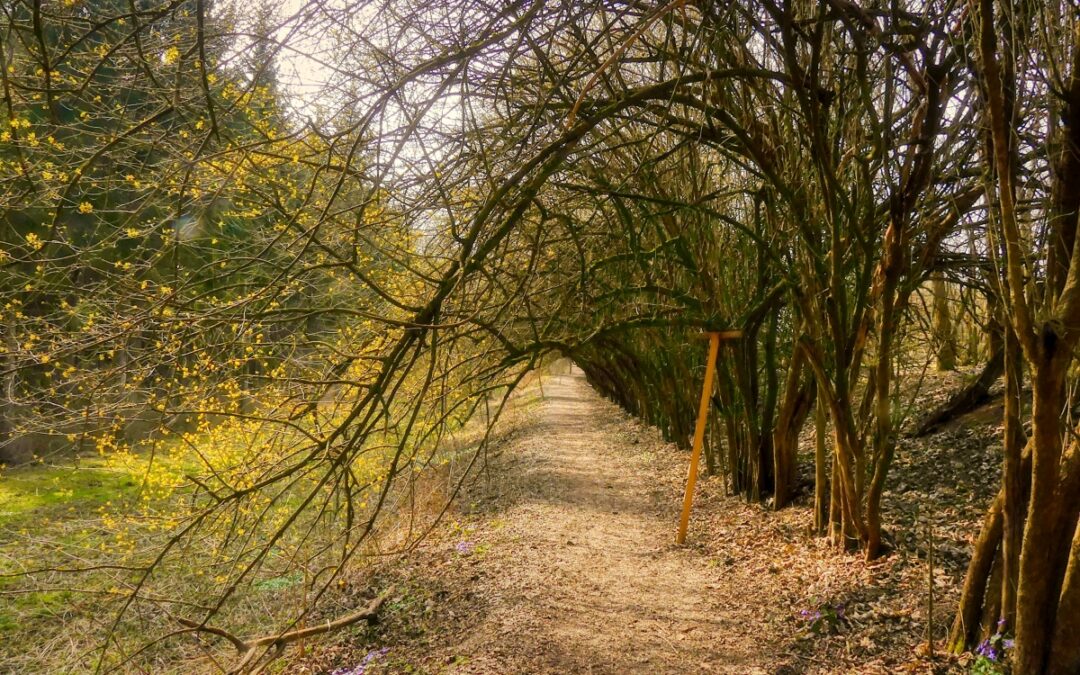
(582,574)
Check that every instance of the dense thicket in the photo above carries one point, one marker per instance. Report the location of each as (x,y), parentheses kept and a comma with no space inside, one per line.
(478,186)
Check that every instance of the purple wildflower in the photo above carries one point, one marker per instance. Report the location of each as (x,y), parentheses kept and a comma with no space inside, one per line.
(364,663)
(375,654)
(464,547)
(987,649)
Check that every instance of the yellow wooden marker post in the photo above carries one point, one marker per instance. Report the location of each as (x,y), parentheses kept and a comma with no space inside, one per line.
(699,430)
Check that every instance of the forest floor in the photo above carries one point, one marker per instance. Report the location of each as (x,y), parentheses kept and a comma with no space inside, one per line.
(569,564)
(558,557)
(562,560)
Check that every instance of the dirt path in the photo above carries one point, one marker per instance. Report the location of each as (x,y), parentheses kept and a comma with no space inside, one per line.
(578,572)
(561,560)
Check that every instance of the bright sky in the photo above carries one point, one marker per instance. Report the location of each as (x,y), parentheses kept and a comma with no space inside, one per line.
(303,62)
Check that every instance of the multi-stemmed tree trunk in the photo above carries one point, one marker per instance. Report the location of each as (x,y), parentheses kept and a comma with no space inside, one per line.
(1038,539)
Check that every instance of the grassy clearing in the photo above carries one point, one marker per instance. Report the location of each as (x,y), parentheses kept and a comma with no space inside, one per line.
(51,517)
(109,516)
(122,506)
(46,491)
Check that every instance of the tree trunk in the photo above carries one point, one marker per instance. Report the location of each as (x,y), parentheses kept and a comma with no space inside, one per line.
(1065,648)
(850,530)
(763,419)
(821,471)
(1043,555)
(944,335)
(836,520)
(795,408)
(1047,331)
(884,441)
(847,529)
(966,624)
(988,624)
(1015,484)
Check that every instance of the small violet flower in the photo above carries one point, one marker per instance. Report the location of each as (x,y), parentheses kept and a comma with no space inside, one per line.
(364,663)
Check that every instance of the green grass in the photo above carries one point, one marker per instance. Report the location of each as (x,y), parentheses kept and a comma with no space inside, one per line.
(61,516)
(42,605)
(28,493)
(41,496)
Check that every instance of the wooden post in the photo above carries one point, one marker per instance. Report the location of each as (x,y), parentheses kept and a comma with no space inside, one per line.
(699,436)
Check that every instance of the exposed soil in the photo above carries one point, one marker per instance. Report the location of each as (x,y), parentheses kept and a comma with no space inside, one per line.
(563,561)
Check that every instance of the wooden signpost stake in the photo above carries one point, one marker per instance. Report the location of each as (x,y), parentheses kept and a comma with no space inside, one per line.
(699,430)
